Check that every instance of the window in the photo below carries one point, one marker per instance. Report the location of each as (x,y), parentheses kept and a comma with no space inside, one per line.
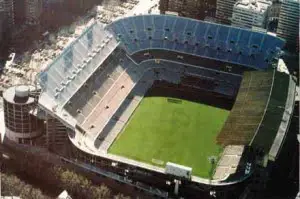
(167,29)
(150,38)
(232,42)
(149,29)
(209,37)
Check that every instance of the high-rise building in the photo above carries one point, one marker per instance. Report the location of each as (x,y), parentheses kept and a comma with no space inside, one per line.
(224,10)
(8,12)
(19,12)
(288,23)
(33,10)
(2,20)
(197,9)
(250,13)
(274,10)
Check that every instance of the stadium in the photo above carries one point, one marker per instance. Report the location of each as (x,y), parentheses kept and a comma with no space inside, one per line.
(162,100)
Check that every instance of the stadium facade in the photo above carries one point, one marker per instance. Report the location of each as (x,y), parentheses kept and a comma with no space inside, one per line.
(89,92)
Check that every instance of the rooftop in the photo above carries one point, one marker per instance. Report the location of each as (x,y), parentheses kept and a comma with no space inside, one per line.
(10,93)
(259,6)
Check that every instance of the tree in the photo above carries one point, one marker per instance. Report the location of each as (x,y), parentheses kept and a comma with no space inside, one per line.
(121,196)
(13,186)
(99,192)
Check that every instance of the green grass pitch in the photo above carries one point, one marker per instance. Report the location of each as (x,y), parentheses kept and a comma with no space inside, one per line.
(163,131)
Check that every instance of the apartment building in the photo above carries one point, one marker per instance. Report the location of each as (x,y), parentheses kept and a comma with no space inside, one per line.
(250,13)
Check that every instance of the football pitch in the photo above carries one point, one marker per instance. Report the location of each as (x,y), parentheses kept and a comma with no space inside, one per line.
(165,130)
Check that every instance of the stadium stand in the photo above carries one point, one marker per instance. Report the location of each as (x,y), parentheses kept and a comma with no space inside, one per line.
(261,114)
(188,59)
(277,116)
(198,82)
(248,109)
(72,68)
(93,90)
(224,83)
(123,113)
(215,41)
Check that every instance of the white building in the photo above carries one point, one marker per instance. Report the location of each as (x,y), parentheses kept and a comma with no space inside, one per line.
(288,24)
(250,13)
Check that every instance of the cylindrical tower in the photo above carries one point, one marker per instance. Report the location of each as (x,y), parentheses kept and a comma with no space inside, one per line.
(20,123)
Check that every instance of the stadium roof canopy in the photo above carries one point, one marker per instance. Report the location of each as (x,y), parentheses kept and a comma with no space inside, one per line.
(209,40)
(70,70)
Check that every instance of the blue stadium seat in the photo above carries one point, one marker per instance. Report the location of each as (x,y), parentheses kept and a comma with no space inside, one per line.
(139,23)
(215,41)
(180,25)
(158,22)
(157,39)
(143,39)
(222,34)
(169,24)
(148,23)
(200,31)
(190,28)
(168,40)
